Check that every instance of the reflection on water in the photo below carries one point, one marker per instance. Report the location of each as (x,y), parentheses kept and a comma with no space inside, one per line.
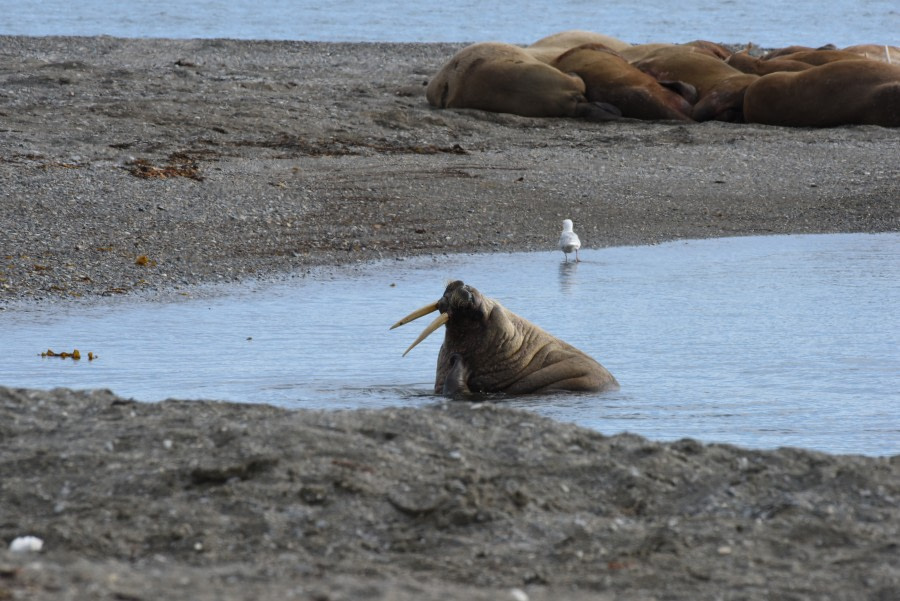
(568,280)
(760,341)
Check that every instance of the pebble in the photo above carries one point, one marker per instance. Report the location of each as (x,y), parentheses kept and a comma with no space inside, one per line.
(518,594)
(25,544)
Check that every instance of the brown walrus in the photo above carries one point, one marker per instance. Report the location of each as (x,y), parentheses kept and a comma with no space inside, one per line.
(609,78)
(779,52)
(839,93)
(547,49)
(742,61)
(488,348)
(639,51)
(712,48)
(503,78)
(877,52)
(720,87)
(821,57)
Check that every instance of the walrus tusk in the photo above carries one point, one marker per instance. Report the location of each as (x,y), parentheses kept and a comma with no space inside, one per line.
(438,322)
(429,308)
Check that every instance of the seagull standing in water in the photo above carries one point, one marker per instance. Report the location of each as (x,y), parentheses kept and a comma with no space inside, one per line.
(568,240)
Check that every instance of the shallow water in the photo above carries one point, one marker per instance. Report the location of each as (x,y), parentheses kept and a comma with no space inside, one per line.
(769,23)
(757,341)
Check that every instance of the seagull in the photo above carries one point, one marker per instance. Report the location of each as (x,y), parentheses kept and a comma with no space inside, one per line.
(568,240)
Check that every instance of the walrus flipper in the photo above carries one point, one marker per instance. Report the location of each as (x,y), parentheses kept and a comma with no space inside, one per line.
(456,382)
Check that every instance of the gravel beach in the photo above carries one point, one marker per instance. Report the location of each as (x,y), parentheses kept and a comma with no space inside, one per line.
(144,168)
(219,160)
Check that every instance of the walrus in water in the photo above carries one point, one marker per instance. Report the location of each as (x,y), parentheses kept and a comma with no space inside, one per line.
(488,348)
(841,93)
(609,78)
(502,78)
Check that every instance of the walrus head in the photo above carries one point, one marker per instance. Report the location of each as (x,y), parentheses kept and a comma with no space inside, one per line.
(462,304)
(488,348)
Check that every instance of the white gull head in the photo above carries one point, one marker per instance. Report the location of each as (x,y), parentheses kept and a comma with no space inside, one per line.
(568,240)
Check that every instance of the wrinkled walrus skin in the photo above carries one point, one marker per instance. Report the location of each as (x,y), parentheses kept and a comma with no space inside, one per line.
(488,348)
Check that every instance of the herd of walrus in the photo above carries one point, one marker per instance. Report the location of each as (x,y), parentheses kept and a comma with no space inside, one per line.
(597,77)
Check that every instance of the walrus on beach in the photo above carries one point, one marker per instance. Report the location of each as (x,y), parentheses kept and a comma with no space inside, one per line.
(488,348)
(779,52)
(712,48)
(547,49)
(742,61)
(821,57)
(877,52)
(720,87)
(503,78)
(609,78)
(640,51)
(841,93)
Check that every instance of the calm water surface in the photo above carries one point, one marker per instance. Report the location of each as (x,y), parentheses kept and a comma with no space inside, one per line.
(765,22)
(758,341)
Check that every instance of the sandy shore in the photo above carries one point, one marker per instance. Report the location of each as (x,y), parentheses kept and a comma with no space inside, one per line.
(145,167)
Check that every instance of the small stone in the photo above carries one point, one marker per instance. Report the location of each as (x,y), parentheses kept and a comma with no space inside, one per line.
(518,594)
(24,544)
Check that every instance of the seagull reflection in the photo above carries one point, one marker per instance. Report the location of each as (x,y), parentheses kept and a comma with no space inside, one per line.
(567,277)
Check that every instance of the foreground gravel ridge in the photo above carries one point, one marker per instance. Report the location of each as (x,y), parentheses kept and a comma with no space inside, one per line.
(205,500)
(220,160)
